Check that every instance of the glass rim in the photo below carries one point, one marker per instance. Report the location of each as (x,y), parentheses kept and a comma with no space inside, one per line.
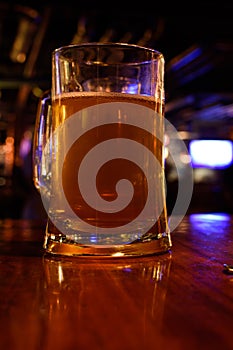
(95,44)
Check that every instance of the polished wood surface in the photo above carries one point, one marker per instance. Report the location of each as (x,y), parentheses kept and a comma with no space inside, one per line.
(177,300)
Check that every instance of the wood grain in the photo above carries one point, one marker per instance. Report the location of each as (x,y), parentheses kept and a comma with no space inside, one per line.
(177,300)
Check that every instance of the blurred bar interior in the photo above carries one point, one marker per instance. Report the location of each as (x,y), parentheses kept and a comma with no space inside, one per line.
(196,41)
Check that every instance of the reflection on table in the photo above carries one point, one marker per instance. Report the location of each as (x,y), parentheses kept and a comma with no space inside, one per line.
(178,300)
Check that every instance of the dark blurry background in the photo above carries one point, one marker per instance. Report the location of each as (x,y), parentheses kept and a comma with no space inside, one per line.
(196,39)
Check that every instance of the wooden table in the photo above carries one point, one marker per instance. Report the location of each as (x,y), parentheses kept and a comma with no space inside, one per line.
(178,300)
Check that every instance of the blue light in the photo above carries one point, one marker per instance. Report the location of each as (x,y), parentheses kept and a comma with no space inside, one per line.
(187,59)
(211,153)
(93,238)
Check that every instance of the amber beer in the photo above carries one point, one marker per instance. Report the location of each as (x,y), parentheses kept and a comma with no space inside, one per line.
(67,165)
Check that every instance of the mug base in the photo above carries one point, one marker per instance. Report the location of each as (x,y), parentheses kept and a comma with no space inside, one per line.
(159,245)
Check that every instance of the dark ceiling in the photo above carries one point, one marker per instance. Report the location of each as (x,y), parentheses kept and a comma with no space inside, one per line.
(170,28)
(196,39)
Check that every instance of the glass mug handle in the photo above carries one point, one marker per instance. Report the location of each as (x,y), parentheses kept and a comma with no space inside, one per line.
(43,128)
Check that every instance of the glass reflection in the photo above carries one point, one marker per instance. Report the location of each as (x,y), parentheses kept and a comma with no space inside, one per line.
(103,299)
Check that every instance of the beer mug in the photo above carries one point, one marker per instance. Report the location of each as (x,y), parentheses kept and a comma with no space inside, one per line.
(99,152)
